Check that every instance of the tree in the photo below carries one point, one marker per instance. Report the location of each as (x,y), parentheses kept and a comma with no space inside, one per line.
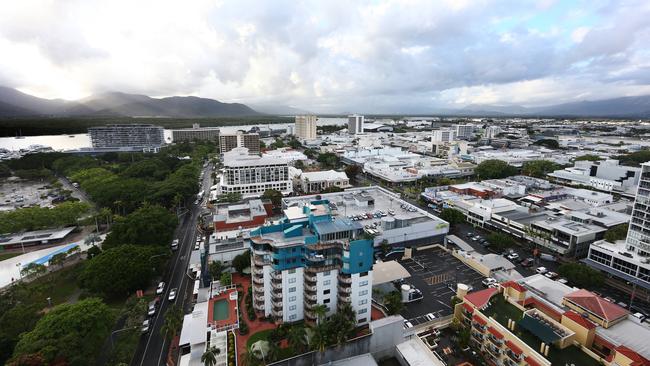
(241,262)
(118,271)
(328,160)
(320,311)
(332,189)
(385,247)
(494,169)
(452,216)
(550,143)
(73,333)
(294,144)
(581,275)
(215,268)
(225,279)
(393,302)
(500,241)
(299,164)
(618,232)
(33,269)
(230,197)
(297,338)
(539,168)
(150,225)
(319,338)
(93,251)
(173,322)
(58,259)
(588,157)
(14,321)
(209,357)
(352,171)
(634,159)
(274,196)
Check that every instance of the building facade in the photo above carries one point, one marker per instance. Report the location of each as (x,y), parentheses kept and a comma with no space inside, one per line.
(251,175)
(443,135)
(314,182)
(464,131)
(305,263)
(491,132)
(355,124)
(305,127)
(143,137)
(251,141)
(196,133)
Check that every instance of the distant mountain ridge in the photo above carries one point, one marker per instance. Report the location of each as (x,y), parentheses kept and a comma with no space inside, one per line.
(14,103)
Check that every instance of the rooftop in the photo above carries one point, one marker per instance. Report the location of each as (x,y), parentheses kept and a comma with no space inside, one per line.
(629,332)
(597,305)
(326,175)
(383,272)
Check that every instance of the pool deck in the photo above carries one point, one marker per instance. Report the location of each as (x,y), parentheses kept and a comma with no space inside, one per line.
(232,310)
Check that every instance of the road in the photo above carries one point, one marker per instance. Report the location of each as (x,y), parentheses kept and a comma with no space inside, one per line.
(153,347)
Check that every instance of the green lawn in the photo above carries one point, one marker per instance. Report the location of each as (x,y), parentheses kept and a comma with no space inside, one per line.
(4,256)
(261,335)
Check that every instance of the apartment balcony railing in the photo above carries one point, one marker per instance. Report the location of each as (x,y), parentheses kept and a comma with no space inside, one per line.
(258,298)
(277,304)
(310,287)
(324,245)
(258,290)
(514,357)
(275,275)
(258,271)
(276,285)
(495,341)
(258,280)
(259,261)
(257,306)
(323,268)
(276,313)
(310,297)
(345,279)
(310,277)
(345,298)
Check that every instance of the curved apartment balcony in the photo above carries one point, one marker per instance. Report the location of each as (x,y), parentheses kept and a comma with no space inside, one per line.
(344,298)
(276,285)
(311,279)
(258,306)
(277,304)
(260,251)
(316,259)
(276,275)
(320,268)
(259,261)
(257,270)
(345,279)
(345,291)
(310,297)
(310,316)
(258,280)
(324,245)
(310,288)
(258,290)
(276,313)
(258,298)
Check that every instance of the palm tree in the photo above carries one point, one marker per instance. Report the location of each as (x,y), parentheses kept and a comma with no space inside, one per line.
(320,311)
(173,322)
(319,339)
(209,357)
(296,338)
(249,358)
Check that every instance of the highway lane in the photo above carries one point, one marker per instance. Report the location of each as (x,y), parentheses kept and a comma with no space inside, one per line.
(153,347)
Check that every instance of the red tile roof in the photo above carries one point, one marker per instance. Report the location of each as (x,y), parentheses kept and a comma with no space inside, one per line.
(531,361)
(468,307)
(479,320)
(596,305)
(495,333)
(637,359)
(514,285)
(480,298)
(585,323)
(513,347)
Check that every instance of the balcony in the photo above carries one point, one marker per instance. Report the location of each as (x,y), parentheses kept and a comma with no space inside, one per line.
(496,341)
(345,298)
(258,290)
(310,278)
(324,245)
(311,288)
(310,297)
(277,314)
(276,285)
(345,279)
(276,275)
(258,271)
(345,291)
(514,357)
(258,298)
(258,306)
(258,280)
(277,304)
(320,268)
(260,261)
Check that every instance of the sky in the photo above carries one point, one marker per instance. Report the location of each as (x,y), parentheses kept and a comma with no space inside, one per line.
(334,56)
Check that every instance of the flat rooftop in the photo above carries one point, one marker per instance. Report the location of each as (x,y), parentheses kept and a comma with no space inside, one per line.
(35,236)
(629,333)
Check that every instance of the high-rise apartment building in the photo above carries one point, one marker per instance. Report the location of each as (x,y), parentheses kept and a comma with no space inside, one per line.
(491,132)
(128,136)
(251,175)
(230,141)
(464,131)
(308,260)
(305,127)
(355,124)
(443,135)
(195,133)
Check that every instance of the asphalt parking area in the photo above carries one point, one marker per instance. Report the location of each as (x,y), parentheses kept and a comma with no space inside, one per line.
(436,273)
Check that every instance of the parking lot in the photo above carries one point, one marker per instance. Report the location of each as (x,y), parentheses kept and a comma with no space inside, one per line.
(435,273)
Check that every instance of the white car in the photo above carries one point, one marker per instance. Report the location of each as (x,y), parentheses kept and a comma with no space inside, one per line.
(430,317)
(551,275)
(172,294)
(513,256)
(160,289)
(145,326)
(175,245)
(197,245)
(488,281)
(541,270)
(407,324)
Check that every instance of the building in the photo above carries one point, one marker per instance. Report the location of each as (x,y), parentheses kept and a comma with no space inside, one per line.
(314,182)
(355,124)
(605,175)
(464,131)
(196,133)
(136,137)
(305,127)
(492,132)
(629,259)
(242,215)
(310,259)
(540,322)
(285,153)
(251,175)
(251,141)
(443,135)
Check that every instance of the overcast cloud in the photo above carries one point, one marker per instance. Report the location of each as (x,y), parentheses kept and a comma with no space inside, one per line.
(330,56)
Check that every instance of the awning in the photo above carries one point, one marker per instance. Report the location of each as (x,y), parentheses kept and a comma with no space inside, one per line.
(540,330)
(468,307)
(531,361)
(513,347)
(495,333)
(479,320)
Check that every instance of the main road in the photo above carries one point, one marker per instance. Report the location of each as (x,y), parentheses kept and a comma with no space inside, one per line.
(153,347)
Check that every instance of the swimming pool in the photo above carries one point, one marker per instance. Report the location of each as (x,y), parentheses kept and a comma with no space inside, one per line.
(220,309)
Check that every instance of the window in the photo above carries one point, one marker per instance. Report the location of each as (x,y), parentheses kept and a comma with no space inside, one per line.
(363,293)
(292,289)
(293,270)
(363,283)
(326,292)
(363,302)
(326,283)
(327,273)
(292,307)
(293,317)
(360,264)
(361,311)
(363,274)
(362,320)
(326,301)
(292,298)
(292,280)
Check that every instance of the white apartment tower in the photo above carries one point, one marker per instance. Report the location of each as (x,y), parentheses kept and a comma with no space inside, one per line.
(443,135)
(464,131)
(305,127)
(355,124)
(491,132)
(251,175)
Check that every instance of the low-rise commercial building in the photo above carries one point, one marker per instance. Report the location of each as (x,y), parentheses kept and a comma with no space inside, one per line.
(607,175)
(314,182)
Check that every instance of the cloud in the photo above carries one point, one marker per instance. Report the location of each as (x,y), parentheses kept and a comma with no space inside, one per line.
(335,56)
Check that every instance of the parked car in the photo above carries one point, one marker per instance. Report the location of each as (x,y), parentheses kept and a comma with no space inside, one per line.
(407,324)
(153,307)
(175,245)
(488,281)
(541,270)
(172,294)
(513,256)
(145,326)
(563,281)
(528,262)
(161,288)
(430,316)
(551,275)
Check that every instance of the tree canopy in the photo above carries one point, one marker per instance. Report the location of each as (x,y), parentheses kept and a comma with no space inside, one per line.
(494,169)
(588,157)
(69,333)
(539,168)
(581,275)
(352,171)
(452,216)
(550,143)
(34,218)
(328,160)
(148,225)
(500,241)
(118,271)
(634,159)
(618,232)
(274,196)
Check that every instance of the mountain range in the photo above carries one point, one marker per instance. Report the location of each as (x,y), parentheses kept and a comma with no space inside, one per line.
(14,103)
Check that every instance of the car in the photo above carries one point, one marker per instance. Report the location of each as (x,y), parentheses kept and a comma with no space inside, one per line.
(551,275)
(430,317)
(488,281)
(197,246)
(513,256)
(407,324)
(639,316)
(172,294)
(541,270)
(391,212)
(175,245)
(153,307)
(474,238)
(145,326)
(528,262)
(622,304)
(161,288)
